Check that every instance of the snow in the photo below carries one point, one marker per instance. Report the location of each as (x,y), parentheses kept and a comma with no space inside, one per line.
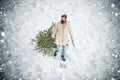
(0,69)
(89,60)
(112,5)
(0,12)
(116,14)
(113,79)
(2,41)
(3,34)
(118,71)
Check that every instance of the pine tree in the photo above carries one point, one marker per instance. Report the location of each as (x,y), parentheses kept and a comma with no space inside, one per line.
(44,42)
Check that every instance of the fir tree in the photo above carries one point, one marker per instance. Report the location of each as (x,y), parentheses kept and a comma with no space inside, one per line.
(44,42)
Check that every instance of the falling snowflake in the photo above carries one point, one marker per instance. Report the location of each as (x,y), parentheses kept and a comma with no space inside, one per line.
(2,41)
(3,34)
(112,5)
(116,14)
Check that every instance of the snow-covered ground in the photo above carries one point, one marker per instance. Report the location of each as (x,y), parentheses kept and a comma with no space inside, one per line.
(91,59)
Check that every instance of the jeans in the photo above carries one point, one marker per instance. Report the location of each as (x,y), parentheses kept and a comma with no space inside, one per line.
(63,49)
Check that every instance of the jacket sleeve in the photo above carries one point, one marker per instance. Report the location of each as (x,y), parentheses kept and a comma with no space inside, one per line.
(54,31)
(70,31)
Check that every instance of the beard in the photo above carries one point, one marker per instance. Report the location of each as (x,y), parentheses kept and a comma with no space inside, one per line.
(62,21)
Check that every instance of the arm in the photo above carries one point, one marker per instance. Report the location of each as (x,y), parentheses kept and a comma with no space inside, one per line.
(71,34)
(54,32)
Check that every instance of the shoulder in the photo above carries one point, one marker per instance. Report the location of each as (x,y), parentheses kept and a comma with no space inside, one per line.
(58,22)
(68,22)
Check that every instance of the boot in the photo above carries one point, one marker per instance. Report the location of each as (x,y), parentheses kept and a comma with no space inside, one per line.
(63,58)
(55,53)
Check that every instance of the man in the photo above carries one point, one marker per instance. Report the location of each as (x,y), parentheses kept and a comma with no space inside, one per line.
(60,35)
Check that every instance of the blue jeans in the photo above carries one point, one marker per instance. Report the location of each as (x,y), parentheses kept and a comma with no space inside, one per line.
(63,49)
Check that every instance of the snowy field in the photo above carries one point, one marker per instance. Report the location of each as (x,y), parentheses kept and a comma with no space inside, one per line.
(95,56)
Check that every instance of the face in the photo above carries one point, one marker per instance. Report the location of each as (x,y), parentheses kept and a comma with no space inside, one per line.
(63,20)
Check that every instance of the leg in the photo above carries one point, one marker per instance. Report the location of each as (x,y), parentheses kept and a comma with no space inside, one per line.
(56,49)
(63,52)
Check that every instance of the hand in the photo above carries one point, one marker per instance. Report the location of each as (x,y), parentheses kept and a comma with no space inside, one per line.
(53,39)
(73,43)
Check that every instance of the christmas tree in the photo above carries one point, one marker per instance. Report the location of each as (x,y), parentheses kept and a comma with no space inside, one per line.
(44,42)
